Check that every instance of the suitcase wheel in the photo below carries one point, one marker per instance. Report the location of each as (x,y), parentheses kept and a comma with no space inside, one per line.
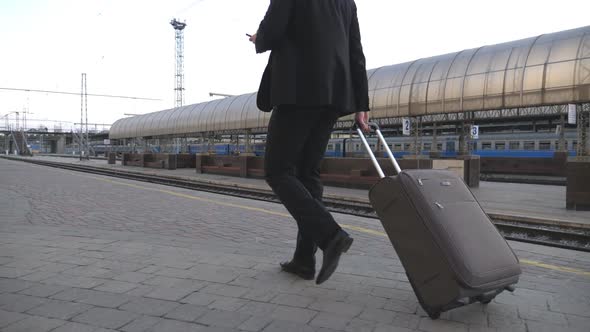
(432,313)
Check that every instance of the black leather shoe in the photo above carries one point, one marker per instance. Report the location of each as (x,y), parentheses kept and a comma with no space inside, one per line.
(302,271)
(339,244)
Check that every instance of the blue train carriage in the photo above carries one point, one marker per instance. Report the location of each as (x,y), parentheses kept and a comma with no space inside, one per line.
(225,149)
(517,145)
(523,145)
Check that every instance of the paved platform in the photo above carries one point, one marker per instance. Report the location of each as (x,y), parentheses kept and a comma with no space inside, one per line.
(543,202)
(82,252)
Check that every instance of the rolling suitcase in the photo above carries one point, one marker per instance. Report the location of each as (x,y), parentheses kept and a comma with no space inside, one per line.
(452,253)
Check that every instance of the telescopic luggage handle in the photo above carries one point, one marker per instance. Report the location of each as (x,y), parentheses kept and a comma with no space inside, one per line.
(375,126)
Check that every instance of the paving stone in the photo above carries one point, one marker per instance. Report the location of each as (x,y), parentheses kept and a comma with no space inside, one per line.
(291,314)
(293,300)
(7,317)
(176,273)
(390,328)
(577,321)
(504,310)
(360,325)
(39,276)
(187,312)
(257,308)
(570,306)
(470,314)
(366,300)
(13,272)
(41,290)
(141,324)
(168,325)
(59,309)
(36,324)
(116,287)
(255,323)
(151,307)
(141,291)
(525,297)
(13,285)
(74,281)
(287,326)
(101,299)
(377,315)
(86,271)
(20,303)
(227,304)
(133,277)
(225,290)
(407,306)
(211,273)
(74,260)
(149,269)
(217,329)
(223,318)
(105,317)
(325,294)
(339,308)
(542,315)
(535,326)
(169,293)
(75,327)
(331,321)
(261,294)
(502,322)
(441,325)
(71,294)
(199,298)
(478,328)
(56,267)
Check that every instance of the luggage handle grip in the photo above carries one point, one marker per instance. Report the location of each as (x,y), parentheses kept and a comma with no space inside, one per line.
(375,126)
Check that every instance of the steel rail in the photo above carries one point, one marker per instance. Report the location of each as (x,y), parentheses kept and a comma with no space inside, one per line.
(560,236)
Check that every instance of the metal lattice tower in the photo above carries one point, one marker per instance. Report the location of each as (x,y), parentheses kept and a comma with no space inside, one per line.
(84,141)
(179,76)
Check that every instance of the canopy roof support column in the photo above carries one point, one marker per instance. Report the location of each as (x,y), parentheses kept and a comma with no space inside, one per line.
(583,149)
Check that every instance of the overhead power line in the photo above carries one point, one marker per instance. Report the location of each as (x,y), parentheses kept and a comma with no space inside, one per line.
(78,94)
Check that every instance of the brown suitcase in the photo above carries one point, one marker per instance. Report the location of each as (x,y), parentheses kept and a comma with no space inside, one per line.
(452,253)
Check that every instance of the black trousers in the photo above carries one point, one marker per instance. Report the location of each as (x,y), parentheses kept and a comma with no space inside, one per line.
(295,146)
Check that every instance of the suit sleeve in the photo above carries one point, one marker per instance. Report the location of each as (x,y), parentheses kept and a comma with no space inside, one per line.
(358,66)
(273,27)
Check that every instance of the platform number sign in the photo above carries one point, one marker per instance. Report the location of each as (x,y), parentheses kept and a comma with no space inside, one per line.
(475,132)
(571,114)
(407,126)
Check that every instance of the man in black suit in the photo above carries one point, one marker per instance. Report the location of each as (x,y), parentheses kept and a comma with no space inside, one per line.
(316,74)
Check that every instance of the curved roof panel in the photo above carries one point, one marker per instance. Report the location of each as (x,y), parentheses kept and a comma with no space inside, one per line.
(543,70)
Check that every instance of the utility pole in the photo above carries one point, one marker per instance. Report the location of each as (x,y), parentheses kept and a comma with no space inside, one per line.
(84,151)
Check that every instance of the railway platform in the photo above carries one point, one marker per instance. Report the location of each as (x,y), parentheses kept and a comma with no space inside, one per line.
(541,203)
(86,252)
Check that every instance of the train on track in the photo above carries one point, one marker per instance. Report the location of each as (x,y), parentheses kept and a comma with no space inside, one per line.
(517,145)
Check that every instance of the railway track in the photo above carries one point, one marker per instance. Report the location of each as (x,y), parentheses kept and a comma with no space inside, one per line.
(512,228)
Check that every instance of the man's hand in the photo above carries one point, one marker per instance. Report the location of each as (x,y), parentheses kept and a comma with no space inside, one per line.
(362,120)
(253,38)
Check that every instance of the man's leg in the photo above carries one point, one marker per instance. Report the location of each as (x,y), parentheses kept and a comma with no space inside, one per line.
(308,172)
(289,130)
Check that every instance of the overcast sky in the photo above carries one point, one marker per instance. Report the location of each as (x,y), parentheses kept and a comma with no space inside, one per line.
(127,47)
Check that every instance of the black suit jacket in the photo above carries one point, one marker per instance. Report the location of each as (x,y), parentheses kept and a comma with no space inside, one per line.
(316,56)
